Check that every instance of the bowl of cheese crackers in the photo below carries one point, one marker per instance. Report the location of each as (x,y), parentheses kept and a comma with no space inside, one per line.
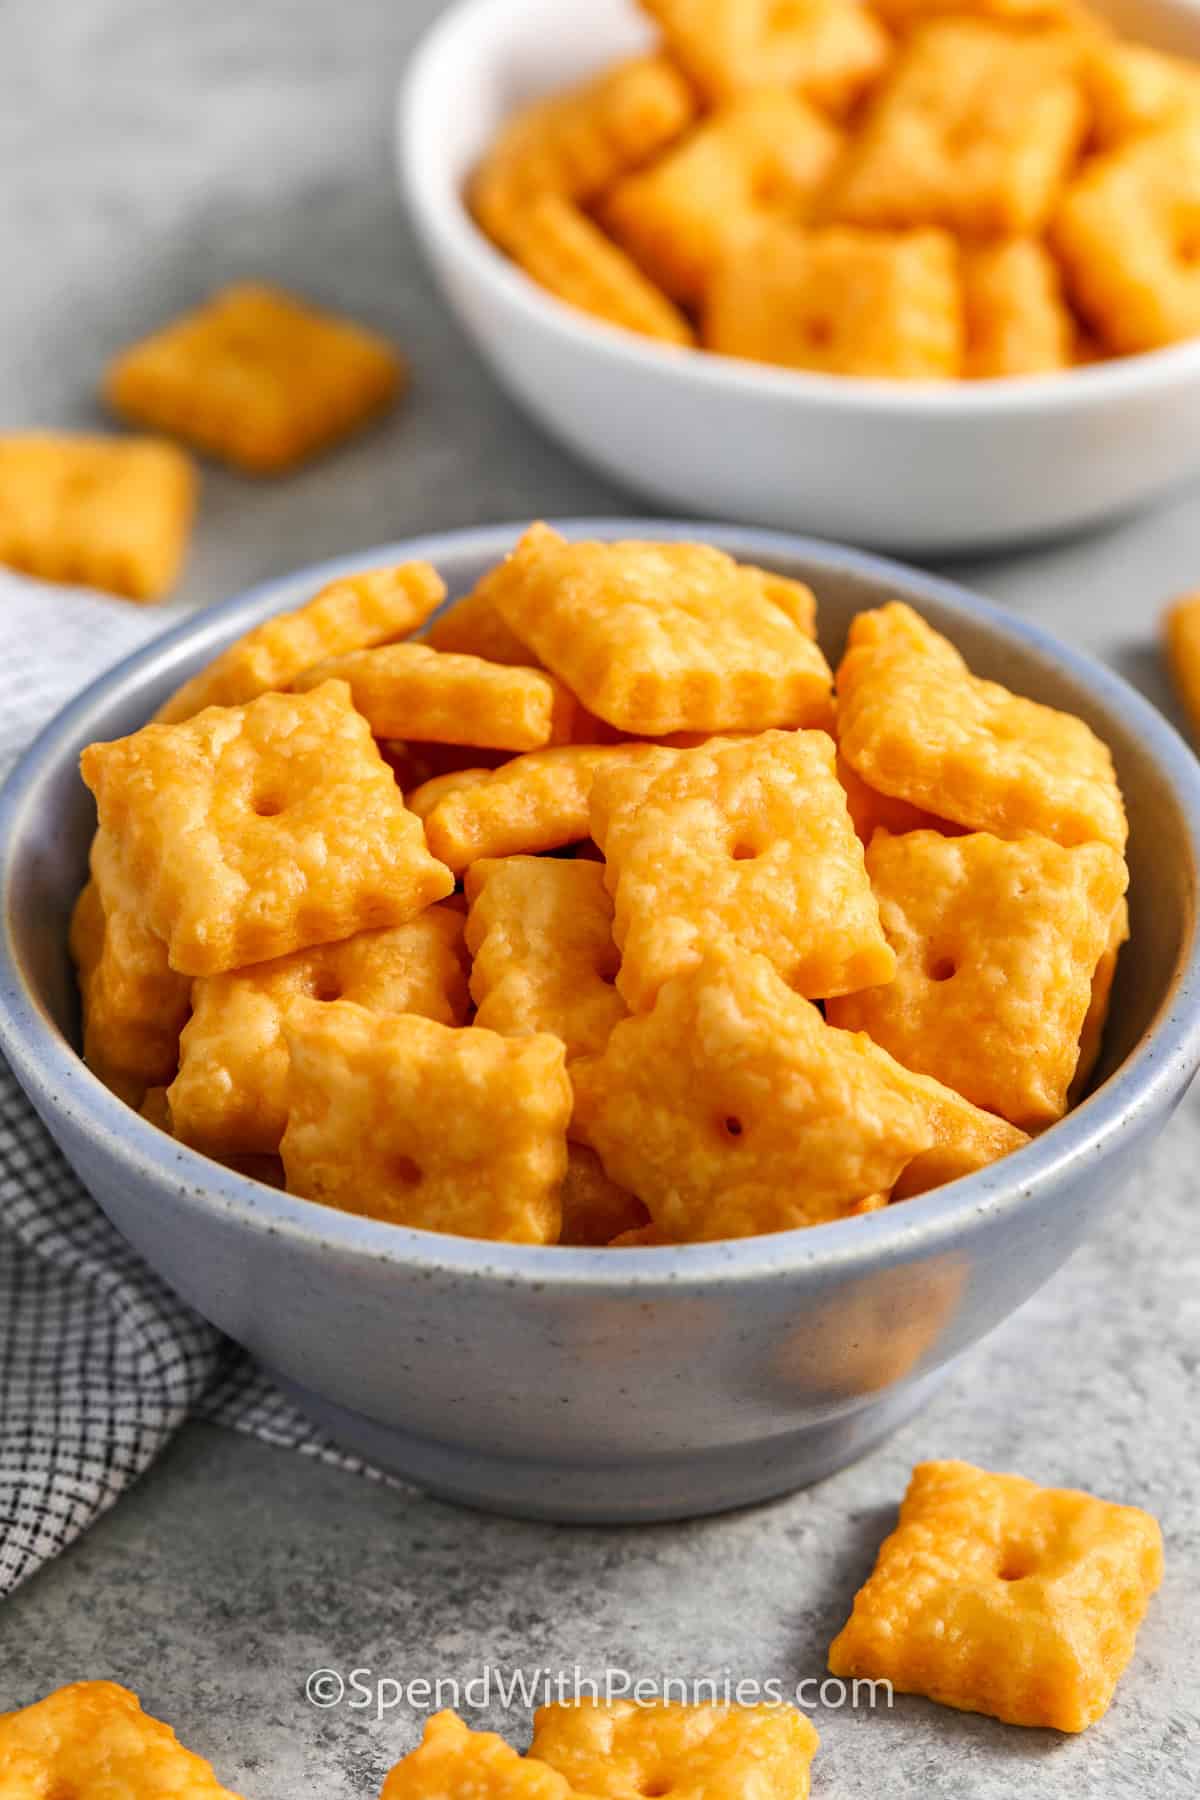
(906,273)
(604,1012)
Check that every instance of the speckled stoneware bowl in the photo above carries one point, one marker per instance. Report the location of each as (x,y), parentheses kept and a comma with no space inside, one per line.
(593,1384)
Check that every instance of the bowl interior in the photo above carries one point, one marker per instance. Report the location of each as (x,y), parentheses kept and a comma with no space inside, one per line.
(51,815)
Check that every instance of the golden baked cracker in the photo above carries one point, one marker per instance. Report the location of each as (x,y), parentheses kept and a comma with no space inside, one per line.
(112,513)
(595,1210)
(471,626)
(438,696)
(533,803)
(829,50)
(1126,234)
(355,612)
(1091,1036)
(252,831)
(975,129)
(742,843)
(92,1741)
(668,637)
(556,243)
(914,723)
(1017,322)
(1133,89)
(1181,645)
(733,1108)
(230,1095)
(869,810)
(256,377)
(995,1595)
(623,1748)
(640,1237)
(965,1139)
(578,143)
(996,943)
(134,1005)
(840,300)
(903,15)
(453,1763)
(450,1129)
(540,933)
(761,155)
(430,793)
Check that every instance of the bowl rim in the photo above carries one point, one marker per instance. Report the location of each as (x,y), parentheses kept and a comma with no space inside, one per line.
(54,1076)
(443,219)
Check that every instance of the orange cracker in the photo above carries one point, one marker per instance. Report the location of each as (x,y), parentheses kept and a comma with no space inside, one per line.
(540,932)
(533,803)
(92,1741)
(996,942)
(620,1748)
(869,810)
(1181,644)
(595,1210)
(914,723)
(742,843)
(1017,321)
(1091,1036)
(975,129)
(830,50)
(453,1763)
(840,300)
(995,1595)
(761,155)
(256,377)
(112,513)
(577,143)
(559,246)
(134,1004)
(733,1108)
(436,696)
(655,638)
(965,1139)
(230,1095)
(902,15)
(1126,234)
(252,831)
(1133,89)
(405,1119)
(473,627)
(354,612)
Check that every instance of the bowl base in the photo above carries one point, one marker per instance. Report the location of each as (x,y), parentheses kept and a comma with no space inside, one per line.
(683,1485)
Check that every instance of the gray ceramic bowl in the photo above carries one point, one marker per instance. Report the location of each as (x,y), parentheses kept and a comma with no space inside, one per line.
(603,1385)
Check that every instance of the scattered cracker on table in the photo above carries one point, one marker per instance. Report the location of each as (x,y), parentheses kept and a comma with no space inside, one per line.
(92,1739)
(995,1595)
(732,1108)
(112,513)
(622,1748)
(230,1095)
(996,941)
(577,143)
(1181,644)
(761,155)
(439,696)
(655,638)
(830,50)
(355,612)
(569,256)
(540,933)
(914,722)
(1127,233)
(454,1763)
(256,377)
(134,1004)
(840,300)
(450,1129)
(742,843)
(252,831)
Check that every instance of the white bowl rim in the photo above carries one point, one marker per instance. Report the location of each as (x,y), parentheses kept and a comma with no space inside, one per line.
(1155,1070)
(1085,389)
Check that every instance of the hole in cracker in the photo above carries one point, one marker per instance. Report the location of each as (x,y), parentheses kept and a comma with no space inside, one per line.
(744,851)
(1016,1562)
(819,333)
(732,1128)
(655,1786)
(404,1171)
(942,968)
(326,986)
(267,806)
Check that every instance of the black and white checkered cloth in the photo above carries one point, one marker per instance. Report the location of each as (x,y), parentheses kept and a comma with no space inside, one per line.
(99,1362)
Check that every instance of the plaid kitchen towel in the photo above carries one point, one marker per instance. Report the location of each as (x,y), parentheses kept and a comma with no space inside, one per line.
(99,1362)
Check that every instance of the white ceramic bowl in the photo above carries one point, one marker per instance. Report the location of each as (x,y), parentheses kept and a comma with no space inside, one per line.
(904,465)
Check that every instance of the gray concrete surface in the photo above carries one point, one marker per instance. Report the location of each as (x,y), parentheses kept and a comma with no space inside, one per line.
(150,152)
